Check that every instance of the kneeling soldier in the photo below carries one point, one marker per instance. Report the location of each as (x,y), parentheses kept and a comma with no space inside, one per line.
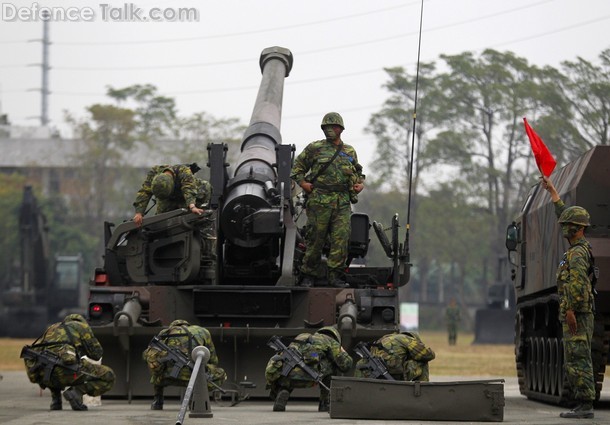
(169,358)
(309,359)
(57,362)
(404,354)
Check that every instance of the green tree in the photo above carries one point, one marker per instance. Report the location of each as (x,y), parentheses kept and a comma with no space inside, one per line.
(11,195)
(469,141)
(155,115)
(400,159)
(587,88)
(486,98)
(104,136)
(200,129)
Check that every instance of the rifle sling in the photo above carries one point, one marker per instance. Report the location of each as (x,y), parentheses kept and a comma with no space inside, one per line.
(325,166)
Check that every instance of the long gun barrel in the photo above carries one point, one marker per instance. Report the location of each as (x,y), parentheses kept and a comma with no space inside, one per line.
(376,365)
(293,358)
(250,193)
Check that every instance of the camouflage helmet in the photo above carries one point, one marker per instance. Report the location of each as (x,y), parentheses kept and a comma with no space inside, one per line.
(75,318)
(330,331)
(332,118)
(575,215)
(162,185)
(411,335)
(179,322)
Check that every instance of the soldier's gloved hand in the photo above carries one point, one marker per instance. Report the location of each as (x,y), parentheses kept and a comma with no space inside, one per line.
(571,321)
(137,219)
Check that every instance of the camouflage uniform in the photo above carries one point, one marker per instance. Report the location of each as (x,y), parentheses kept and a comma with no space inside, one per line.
(452,317)
(185,337)
(70,340)
(187,190)
(321,351)
(574,289)
(328,205)
(404,354)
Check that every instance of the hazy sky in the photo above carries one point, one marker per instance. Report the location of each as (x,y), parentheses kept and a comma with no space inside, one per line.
(340,48)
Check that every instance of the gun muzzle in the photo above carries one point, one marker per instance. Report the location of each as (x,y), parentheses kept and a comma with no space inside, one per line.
(347,316)
(129,315)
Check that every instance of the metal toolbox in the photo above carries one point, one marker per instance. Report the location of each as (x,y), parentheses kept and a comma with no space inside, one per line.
(361,398)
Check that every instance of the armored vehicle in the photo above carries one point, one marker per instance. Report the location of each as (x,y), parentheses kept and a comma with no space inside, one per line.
(535,249)
(234,269)
(45,287)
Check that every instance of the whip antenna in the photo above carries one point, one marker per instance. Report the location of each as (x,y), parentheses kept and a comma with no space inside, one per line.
(421,19)
(405,249)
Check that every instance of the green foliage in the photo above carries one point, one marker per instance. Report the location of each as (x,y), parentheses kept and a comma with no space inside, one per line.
(472,159)
(588,88)
(70,236)
(155,115)
(11,193)
(200,129)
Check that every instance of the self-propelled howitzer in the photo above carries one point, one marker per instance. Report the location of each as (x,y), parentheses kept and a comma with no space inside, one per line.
(234,269)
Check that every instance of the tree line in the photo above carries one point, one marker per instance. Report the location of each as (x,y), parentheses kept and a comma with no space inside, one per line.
(468,161)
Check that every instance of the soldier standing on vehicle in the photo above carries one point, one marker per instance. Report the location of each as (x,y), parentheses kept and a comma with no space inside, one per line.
(174,186)
(404,354)
(575,304)
(321,352)
(452,317)
(55,361)
(184,337)
(329,173)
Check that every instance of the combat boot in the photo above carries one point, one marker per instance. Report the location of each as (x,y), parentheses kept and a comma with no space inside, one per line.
(281,400)
(307,281)
(157,403)
(324,405)
(336,279)
(582,411)
(339,283)
(56,400)
(75,396)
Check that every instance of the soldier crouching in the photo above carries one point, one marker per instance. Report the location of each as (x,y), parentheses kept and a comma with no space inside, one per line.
(321,354)
(404,354)
(57,362)
(168,359)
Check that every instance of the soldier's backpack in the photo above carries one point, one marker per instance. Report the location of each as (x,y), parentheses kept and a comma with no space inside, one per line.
(304,343)
(157,360)
(593,276)
(41,358)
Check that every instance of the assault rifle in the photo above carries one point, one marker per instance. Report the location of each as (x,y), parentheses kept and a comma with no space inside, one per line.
(292,358)
(179,358)
(47,359)
(376,365)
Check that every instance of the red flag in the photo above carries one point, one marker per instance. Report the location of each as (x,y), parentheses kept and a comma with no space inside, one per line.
(545,161)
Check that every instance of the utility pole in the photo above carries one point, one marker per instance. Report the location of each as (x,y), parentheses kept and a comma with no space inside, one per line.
(44,107)
(45,67)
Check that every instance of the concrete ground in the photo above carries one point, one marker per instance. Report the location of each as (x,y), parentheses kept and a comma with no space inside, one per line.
(22,403)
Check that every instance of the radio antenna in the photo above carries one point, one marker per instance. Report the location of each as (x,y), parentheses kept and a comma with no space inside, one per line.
(405,254)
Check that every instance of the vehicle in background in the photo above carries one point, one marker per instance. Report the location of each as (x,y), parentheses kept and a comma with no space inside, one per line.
(536,247)
(46,287)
